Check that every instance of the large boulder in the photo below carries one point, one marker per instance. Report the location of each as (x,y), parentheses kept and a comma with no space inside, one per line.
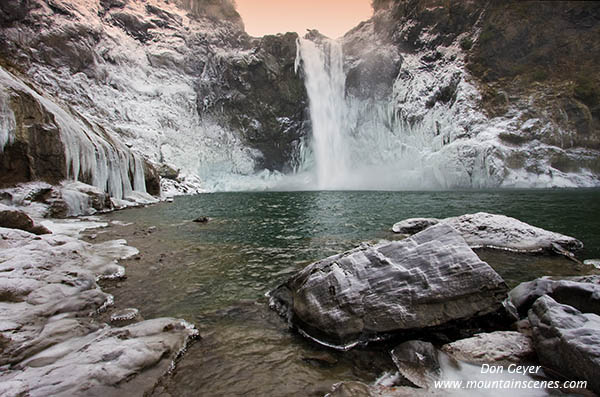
(428,280)
(483,230)
(567,340)
(582,292)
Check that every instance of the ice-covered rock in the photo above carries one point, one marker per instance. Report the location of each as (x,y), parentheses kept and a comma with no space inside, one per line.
(52,341)
(497,231)
(105,360)
(581,292)
(124,315)
(567,340)
(427,280)
(52,143)
(494,348)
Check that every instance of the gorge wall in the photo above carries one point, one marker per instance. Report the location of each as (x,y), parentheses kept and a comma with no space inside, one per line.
(179,83)
(435,94)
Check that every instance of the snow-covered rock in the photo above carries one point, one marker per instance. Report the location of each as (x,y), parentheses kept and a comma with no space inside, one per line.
(494,348)
(581,292)
(52,341)
(496,231)
(427,280)
(14,218)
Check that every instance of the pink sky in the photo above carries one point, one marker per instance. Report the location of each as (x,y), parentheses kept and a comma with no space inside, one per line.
(333,18)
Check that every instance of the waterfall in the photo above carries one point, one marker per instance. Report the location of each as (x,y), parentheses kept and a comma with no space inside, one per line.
(325,83)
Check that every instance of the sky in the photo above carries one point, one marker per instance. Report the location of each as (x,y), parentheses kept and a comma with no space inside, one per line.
(332,18)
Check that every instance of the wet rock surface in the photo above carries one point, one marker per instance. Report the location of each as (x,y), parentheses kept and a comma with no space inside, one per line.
(497,231)
(418,362)
(567,340)
(427,280)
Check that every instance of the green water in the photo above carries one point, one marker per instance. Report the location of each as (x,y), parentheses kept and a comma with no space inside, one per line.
(216,274)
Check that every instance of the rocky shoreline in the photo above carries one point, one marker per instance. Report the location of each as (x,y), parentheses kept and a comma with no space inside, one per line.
(422,289)
(54,334)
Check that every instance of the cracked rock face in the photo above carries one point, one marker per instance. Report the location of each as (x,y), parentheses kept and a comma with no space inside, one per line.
(567,340)
(427,280)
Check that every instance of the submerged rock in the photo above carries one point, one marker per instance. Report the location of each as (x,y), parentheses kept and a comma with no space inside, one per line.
(495,348)
(125,315)
(567,340)
(582,292)
(428,280)
(497,231)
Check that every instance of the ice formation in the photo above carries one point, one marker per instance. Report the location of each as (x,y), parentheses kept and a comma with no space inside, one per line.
(103,159)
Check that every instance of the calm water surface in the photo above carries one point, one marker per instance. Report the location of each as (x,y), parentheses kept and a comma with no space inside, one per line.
(216,274)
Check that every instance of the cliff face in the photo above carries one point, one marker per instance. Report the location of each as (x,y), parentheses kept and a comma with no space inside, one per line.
(542,57)
(450,93)
(179,82)
(504,93)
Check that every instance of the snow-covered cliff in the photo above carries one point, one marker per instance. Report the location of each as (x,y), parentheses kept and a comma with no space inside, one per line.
(179,83)
(411,99)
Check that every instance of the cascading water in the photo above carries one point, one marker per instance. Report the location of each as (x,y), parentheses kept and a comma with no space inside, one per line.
(325,83)
(353,142)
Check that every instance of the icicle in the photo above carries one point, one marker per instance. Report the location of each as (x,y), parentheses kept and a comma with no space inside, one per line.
(7,121)
(139,182)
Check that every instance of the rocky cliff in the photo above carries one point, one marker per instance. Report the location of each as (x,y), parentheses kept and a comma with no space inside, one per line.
(178,83)
(497,93)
